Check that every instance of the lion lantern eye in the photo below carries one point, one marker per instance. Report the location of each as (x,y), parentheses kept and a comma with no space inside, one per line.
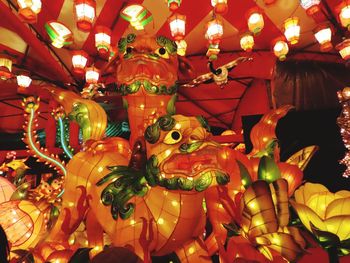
(172,137)
(162,52)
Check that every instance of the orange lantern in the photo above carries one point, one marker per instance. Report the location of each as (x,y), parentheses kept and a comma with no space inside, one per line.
(344,49)
(177,25)
(79,61)
(311,6)
(5,66)
(344,13)
(173,4)
(85,13)
(23,79)
(255,21)
(181,47)
(280,49)
(323,35)
(29,9)
(92,75)
(292,30)
(220,6)
(214,32)
(247,42)
(103,39)
(269,2)
(6,189)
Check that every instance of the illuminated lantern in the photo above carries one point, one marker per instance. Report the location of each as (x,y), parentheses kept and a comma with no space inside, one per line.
(23,79)
(220,6)
(29,9)
(311,6)
(213,51)
(323,35)
(79,61)
(247,42)
(85,13)
(280,49)
(6,189)
(177,25)
(215,30)
(173,4)
(344,14)
(92,75)
(137,15)
(255,21)
(5,67)
(103,39)
(269,2)
(181,47)
(59,34)
(344,49)
(292,30)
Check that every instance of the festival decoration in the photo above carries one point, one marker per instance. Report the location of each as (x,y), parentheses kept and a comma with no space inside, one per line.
(344,49)
(5,66)
(214,31)
(247,42)
(103,39)
(15,170)
(85,12)
(173,4)
(23,79)
(344,13)
(181,47)
(326,215)
(220,6)
(59,34)
(92,75)
(79,61)
(280,49)
(29,9)
(323,35)
(213,51)
(137,15)
(177,25)
(292,30)
(255,21)
(6,189)
(269,2)
(311,6)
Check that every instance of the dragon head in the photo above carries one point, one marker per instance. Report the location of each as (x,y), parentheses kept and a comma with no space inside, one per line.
(181,155)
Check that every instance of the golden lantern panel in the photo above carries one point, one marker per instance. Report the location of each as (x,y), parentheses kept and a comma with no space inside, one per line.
(247,42)
(28,9)
(23,80)
(79,61)
(344,49)
(181,47)
(103,39)
(92,75)
(311,6)
(323,36)
(177,25)
(220,6)
(292,30)
(344,14)
(214,32)
(85,13)
(281,49)
(5,67)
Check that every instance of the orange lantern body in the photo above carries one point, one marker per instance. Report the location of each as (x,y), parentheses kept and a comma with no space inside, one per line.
(323,35)
(79,61)
(343,9)
(92,75)
(5,67)
(214,32)
(344,49)
(220,6)
(6,189)
(311,6)
(85,13)
(292,30)
(29,9)
(247,42)
(280,49)
(177,25)
(103,39)
(255,21)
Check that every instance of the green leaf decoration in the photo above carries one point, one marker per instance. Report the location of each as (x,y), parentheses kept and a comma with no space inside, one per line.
(190,147)
(185,184)
(166,122)
(203,182)
(152,170)
(222,178)
(152,133)
(245,176)
(21,192)
(325,239)
(203,121)
(171,109)
(268,170)
(269,149)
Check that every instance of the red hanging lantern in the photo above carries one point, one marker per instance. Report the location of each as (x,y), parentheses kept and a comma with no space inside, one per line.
(29,9)
(173,4)
(79,61)
(292,30)
(177,25)
(220,6)
(5,67)
(344,49)
(255,21)
(23,79)
(311,6)
(85,13)
(214,32)
(280,48)
(92,75)
(103,39)
(343,9)
(323,35)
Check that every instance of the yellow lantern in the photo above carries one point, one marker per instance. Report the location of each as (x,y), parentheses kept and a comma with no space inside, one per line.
(181,47)
(323,35)
(247,42)
(23,79)
(177,25)
(255,21)
(344,49)
(92,75)
(292,30)
(103,39)
(29,9)
(214,32)
(79,61)
(220,6)
(344,13)
(280,49)
(5,67)
(85,13)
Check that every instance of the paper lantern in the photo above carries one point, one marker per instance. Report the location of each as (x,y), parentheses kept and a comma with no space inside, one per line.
(177,25)
(92,75)
(344,13)
(6,189)
(213,51)
(5,66)
(344,49)
(137,15)
(323,35)
(247,42)
(255,21)
(79,61)
(23,79)
(181,47)
(214,31)
(280,49)
(220,6)
(29,9)
(103,39)
(292,30)
(173,4)
(85,13)
(59,34)
(311,6)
